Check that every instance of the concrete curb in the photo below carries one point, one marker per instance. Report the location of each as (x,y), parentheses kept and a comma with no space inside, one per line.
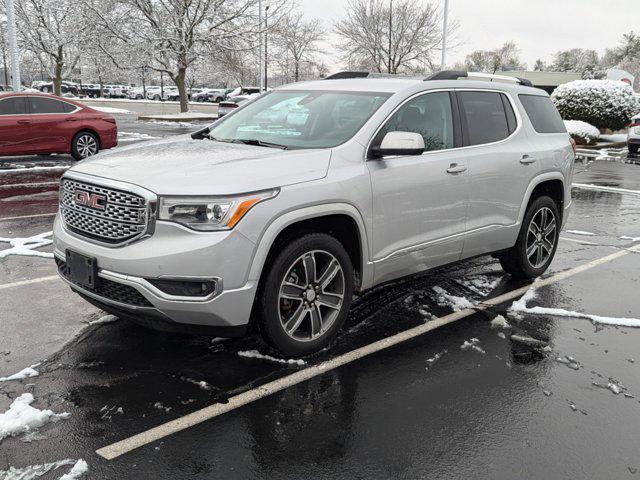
(163,118)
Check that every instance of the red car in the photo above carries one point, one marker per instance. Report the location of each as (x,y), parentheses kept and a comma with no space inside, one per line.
(32,123)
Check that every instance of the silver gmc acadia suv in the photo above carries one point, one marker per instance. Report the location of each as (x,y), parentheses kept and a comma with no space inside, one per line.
(276,214)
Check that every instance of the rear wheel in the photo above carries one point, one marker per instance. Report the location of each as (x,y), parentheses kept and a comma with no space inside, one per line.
(537,241)
(306,295)
(633,149)
(84,144)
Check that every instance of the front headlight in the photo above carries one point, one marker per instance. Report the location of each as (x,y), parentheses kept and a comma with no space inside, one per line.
(210,213)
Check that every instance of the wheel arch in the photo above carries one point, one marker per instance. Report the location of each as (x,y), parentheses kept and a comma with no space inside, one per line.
(551,184)
(342,221)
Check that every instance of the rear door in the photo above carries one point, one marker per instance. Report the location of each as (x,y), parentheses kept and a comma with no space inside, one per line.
(53,123)
(420,201)
(15,126)
(501,163)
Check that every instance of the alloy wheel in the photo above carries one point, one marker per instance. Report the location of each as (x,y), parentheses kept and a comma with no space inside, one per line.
(311,295)
(541,237)
(86,146)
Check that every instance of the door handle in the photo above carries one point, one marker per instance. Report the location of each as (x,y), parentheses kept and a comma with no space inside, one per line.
(71,119)
(455,168)
(526,159)
(24,122)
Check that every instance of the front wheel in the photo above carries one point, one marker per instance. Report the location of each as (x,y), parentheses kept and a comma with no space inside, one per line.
(84,144)
(306,295)
(537,241)
(633,148)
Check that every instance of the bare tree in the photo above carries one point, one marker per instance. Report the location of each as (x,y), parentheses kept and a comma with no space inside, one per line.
(585,62)
(54,31)
(404,39)
(504,58)
(297,41)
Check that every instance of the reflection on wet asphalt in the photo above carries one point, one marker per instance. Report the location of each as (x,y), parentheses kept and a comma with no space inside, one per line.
(531,401)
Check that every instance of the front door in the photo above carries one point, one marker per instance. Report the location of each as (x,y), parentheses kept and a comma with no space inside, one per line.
(419,202)
(51,123)
(15,126)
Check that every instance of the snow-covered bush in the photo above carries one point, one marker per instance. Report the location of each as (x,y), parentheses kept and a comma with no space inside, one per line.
(602,103)
(582,132)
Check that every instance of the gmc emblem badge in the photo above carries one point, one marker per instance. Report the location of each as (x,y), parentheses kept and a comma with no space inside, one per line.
(91,200)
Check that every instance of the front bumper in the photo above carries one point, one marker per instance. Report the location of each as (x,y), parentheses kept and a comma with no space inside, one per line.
(172,252)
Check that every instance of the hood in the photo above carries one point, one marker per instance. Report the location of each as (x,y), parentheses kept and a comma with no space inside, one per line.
(181,165)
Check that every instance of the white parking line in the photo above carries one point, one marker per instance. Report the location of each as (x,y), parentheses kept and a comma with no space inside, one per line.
(589,186)
(28,216)
(581,242)
(136,441)
(28,282)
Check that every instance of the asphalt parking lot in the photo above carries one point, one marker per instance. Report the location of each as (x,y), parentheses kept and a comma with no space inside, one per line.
(550,396)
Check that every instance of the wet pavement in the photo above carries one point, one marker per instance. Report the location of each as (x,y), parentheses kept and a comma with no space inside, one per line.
(536,400)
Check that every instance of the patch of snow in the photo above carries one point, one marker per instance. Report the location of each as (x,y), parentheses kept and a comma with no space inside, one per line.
(521,304)
(500,322)
(473,344)
(174,124)
(13,167)
(614,387)
(26,246)
(183,115)
(502,335)
(257,354)
(134,137)
(480,284)
(633,239)
(199,383)
(79,469)
(22,374)
(33,471)
(22,417)
(580,232)
(111,110)
(559,312)
(160,406)
(445,299)
(105,319)
(583,131)
(436,357)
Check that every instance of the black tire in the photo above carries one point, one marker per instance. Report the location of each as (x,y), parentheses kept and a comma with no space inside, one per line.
(79,140)
(270,306)
(633,149)
(218,100)
(515,261)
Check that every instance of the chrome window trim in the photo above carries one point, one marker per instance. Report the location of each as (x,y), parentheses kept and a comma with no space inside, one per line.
(516,112)
(77,109)
(149,196)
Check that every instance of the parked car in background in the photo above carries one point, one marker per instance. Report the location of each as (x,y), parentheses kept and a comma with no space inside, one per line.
(203,95)
(35,123)
(116,91)
(633,135)
(91,90)
(227,106)
(154,93)
(136,93)
(66,88)
(171,94)
(352,183)
(6,88)
(242,91)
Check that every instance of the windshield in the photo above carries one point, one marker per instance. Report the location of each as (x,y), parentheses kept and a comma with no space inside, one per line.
(300,119)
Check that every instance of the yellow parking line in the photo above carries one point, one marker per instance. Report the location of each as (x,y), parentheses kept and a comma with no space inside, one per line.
(136,441)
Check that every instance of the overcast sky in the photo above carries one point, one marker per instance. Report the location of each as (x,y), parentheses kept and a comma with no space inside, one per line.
(539,27)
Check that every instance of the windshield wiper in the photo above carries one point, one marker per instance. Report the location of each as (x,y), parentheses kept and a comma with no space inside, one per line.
(260,143)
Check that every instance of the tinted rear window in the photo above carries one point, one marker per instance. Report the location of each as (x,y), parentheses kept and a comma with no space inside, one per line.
(543,114)
(13,106)
(45,105)
(485,116)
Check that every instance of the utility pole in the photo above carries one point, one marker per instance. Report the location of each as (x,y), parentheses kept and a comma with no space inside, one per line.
(260,65)
(266,77)
(444,35)
(13,45)
(390,30)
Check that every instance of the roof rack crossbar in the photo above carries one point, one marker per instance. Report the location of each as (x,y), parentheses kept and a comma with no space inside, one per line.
(458,74)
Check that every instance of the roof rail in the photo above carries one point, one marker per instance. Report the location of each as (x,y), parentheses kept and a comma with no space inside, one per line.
(458,74)
(354,74)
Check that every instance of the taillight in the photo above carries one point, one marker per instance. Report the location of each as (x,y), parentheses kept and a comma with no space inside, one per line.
(573,145)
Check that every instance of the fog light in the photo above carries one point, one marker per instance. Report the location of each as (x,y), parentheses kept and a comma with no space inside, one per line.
(185,288)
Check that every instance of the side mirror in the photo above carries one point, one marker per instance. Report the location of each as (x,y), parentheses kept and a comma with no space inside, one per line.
(399,143)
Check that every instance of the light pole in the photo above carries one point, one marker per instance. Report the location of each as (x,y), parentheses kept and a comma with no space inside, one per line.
(266,78)
(260,66)
(444,34)
(13,45)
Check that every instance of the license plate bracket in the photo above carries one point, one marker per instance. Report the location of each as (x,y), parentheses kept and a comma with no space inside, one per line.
(81,269)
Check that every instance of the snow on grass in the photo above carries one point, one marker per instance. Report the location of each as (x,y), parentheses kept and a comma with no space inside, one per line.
(78,470)
(22,374)
(34,471)
(520,306)
(500,322)
(26,246)
(173,124)
(22,417)
(580,232)
(445,299)
(257,354)
(473,344)
(111,110)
